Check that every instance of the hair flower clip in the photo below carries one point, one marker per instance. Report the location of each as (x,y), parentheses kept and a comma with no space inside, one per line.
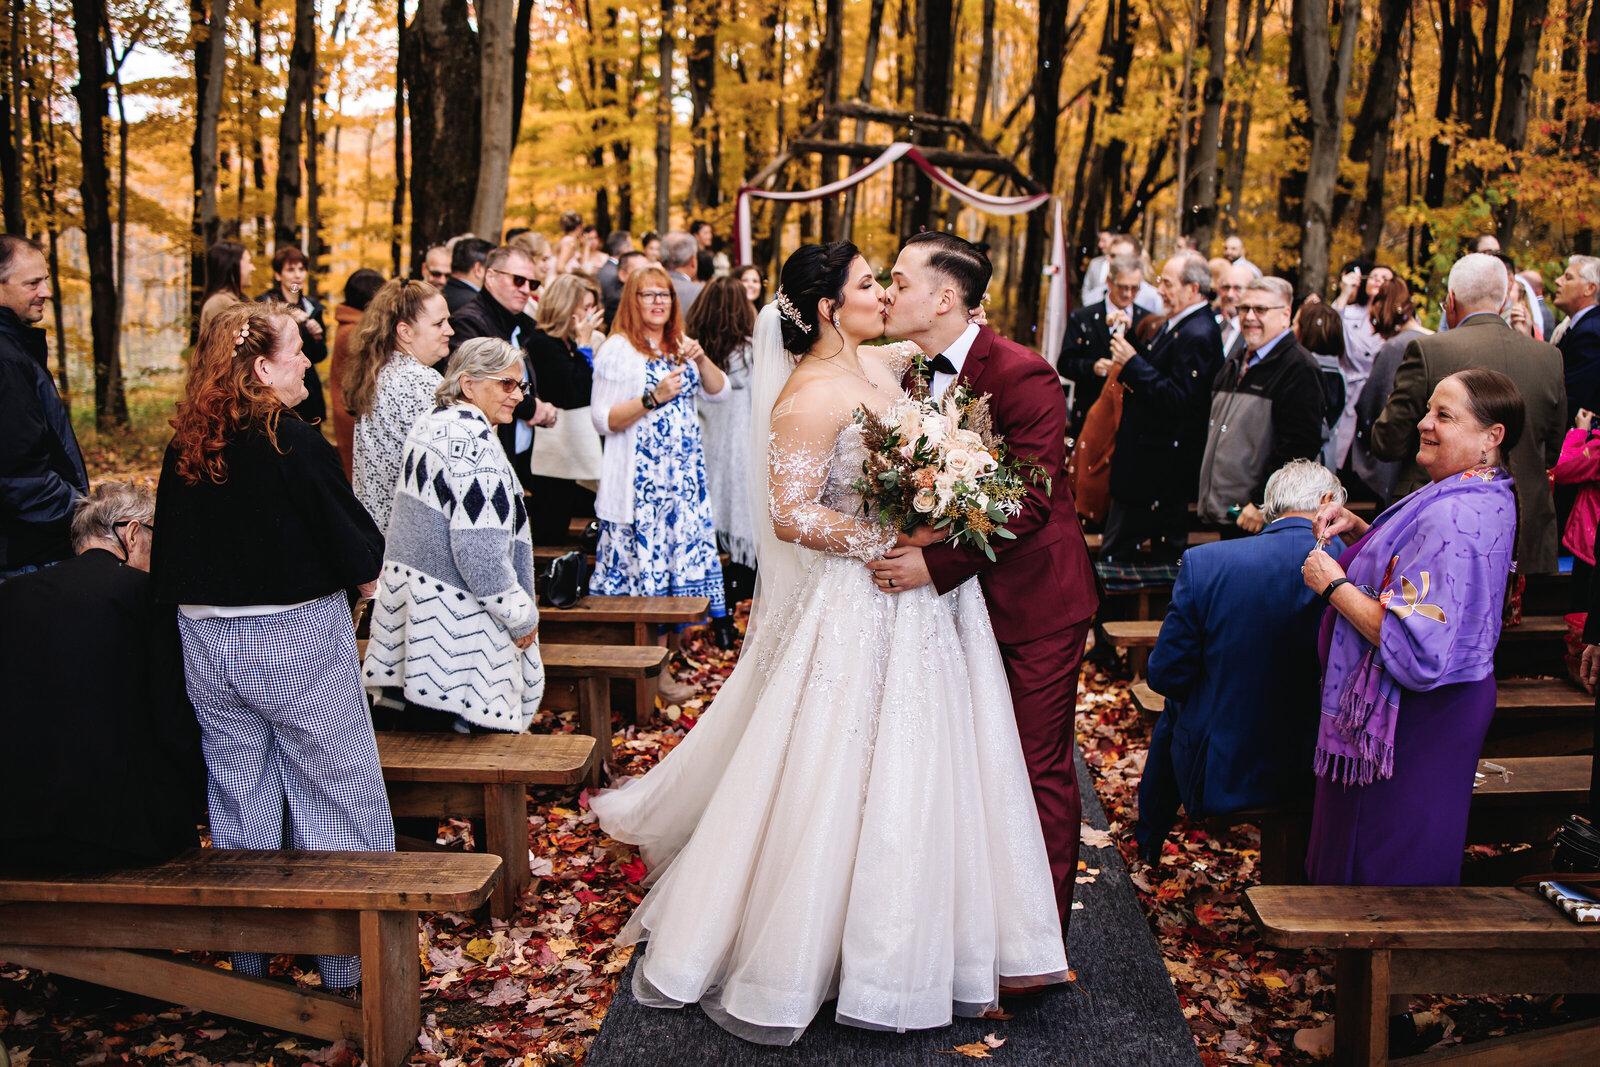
(242,336)
(788,311)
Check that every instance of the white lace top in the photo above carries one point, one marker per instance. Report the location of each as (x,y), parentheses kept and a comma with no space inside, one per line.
(405,391)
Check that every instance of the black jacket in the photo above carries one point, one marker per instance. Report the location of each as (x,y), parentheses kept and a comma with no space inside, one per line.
(1164,412)
(485,316)
(313,408)
(99,749)
(1089,340)
(458,294)
(41,466)
(284,526)
(1580,360)
(565,377)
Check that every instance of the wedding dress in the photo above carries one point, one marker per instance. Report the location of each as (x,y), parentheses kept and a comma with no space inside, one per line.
(851,818)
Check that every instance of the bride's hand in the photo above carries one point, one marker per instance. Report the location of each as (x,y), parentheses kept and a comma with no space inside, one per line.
(921,537)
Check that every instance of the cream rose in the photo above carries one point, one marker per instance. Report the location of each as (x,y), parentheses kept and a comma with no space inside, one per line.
(925,500)
(959,462)
(984,464)
(968,440)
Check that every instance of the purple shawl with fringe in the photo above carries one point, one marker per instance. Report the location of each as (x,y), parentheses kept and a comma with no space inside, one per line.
(1438,562)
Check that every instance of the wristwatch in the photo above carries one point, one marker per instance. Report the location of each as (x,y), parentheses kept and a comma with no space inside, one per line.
(649,400)
(1327,594)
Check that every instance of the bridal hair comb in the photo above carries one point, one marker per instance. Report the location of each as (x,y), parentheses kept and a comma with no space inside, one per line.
(788,311)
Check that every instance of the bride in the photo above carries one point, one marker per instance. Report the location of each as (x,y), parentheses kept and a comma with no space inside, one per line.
(851,819)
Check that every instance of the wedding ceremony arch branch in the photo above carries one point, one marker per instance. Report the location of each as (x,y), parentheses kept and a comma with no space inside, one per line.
(1055,315)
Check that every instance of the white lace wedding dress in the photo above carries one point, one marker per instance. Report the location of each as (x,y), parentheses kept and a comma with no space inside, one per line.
(851,817)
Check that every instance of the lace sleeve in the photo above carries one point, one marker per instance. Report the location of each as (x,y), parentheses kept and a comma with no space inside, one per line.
(798,455)
(896,355)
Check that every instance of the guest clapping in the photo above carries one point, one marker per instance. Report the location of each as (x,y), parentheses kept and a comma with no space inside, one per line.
(260,545)
(1408,689)
(657,537)
(117,780)
(455,621)
(390,381)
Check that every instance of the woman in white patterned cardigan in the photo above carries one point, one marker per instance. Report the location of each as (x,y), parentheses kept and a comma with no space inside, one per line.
(455,620)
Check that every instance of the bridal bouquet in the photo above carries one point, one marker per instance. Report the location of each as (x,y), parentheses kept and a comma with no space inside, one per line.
(941,464)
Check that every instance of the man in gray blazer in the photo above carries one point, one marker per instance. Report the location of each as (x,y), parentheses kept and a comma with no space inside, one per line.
(678,256)
(1479,337)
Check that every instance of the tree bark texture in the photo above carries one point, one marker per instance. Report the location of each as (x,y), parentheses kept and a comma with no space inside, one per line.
(440,64)
(1041,167)
(291,129)
(705,189)
(1326,82)
(665,57)
(847,214)
(208,24)
(16,216)
(825,75)
(397,214)
(1103,199)
(110,406)
(1201,219)
(1370,137)
(930,95)
(1511,125)
(521,39)
(496,23)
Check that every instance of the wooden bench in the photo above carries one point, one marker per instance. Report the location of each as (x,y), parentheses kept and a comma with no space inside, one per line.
(485,776)
(579,676)
(1196,537)
(622,620)
(1540,717)
(1441,940)
(333,903)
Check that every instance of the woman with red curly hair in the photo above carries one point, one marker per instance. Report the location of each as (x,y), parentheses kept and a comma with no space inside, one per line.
(260,543)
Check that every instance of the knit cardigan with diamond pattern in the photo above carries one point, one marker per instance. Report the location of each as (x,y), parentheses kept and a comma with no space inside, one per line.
(457,584)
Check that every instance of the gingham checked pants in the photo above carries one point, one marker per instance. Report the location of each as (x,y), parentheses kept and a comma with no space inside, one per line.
(283,720)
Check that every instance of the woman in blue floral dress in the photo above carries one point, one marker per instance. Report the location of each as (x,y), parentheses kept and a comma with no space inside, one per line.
(657,537)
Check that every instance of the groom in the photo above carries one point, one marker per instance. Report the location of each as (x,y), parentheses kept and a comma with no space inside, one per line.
(1041,592)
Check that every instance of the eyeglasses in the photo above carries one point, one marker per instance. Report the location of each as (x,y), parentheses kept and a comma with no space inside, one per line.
(1259,310)
(655,296)
(511,384)
(134,522)
(435,275)
(517,280)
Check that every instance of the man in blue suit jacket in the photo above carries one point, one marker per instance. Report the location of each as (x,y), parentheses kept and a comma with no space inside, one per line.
(1155,470)
(1237,662)
(1579,336)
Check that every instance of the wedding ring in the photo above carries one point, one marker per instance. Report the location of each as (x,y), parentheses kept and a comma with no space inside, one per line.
(891,583)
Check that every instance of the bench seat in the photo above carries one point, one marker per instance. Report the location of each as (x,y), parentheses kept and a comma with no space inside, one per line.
(579,676)
(1442,940)
(483,775)
(622,620)
(333,903)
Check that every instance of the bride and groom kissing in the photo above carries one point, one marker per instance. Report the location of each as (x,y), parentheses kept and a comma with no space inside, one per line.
(880,806)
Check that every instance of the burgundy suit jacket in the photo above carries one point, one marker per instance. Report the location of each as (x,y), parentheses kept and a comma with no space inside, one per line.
(1043,581)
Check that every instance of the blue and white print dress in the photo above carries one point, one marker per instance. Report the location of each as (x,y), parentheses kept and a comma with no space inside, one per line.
(670,546)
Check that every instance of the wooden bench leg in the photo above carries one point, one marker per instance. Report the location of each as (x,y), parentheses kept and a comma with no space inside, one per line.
(1361,1008)
(1284,840)
(505,813)
(391,986)
(644,689)
(594,719)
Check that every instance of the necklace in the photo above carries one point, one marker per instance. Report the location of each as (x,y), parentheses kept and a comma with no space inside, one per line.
(849,370)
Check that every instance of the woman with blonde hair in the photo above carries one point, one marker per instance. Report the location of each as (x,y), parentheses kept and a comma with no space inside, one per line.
(565,464)
(657,537)
(389,381)
(261,544)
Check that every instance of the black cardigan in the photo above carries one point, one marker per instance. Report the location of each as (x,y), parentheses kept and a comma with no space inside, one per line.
(564,376)
(284,526)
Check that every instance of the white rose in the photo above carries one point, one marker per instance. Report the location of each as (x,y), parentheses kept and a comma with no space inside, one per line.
(968,440)
(959,462)
(925,500)
(984,464)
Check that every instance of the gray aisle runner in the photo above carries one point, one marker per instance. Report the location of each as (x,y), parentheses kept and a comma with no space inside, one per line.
(1121,1010)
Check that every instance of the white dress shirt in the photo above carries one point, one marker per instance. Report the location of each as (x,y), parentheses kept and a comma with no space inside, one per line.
(957,355)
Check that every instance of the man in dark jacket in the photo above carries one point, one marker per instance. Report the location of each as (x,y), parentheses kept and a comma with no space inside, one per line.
(1578,336)
(1266,409)
(498,311)
(467,261)
(1163,433)
(1087,358)
(41,466)
(1237,662)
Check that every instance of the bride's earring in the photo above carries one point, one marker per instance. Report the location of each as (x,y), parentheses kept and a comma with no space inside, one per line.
(835,320)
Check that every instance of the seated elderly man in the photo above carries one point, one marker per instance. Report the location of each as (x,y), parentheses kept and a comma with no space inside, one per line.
(100,762)
(1237,662)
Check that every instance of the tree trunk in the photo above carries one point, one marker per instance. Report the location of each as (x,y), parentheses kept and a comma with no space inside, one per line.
(825,75)
(930,95)
(621,147)
(208,23)
(521,40)
(1041,166)
(16,217)
(1104,183)
(1511,127)
(47,177)
(302,58)
(440,64)
(258,155)
(397,214)
(1326,84)
(1370,138)
(847,215)
(496,19)
(110,406)
(664,57)
(1202,217)
(704,187)
(314,247)
(1239,146)
(121,280)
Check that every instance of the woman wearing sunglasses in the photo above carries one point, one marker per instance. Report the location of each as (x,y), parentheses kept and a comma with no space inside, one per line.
(455,620)
(657,537)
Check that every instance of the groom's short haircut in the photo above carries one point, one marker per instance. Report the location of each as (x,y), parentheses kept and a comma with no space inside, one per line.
(959,260)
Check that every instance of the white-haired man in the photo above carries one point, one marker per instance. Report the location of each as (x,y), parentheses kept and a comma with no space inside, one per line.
(1479,337)
(1578,336)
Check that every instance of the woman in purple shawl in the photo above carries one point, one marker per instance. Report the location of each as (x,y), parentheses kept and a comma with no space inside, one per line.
(1408,651)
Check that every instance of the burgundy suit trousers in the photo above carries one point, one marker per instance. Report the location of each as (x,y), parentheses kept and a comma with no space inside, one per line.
(1043,674)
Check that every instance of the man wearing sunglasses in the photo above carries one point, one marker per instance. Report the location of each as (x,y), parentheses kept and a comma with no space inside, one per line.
(1266,409)
(499,310)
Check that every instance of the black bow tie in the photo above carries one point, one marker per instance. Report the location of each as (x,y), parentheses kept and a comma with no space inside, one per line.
(941,364)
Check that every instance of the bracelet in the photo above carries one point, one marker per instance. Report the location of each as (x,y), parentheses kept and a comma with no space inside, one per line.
(649,400)
(1327,594)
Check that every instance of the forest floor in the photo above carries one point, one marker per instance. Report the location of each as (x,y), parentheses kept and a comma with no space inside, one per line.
(532,992)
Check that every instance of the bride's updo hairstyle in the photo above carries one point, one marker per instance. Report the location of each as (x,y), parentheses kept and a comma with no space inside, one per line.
(812,273)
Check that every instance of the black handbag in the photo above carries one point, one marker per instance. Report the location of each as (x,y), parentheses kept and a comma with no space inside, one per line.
(1577,848)
(566,581)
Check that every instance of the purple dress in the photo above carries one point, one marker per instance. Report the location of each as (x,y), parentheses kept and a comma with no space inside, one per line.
(1409,826)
